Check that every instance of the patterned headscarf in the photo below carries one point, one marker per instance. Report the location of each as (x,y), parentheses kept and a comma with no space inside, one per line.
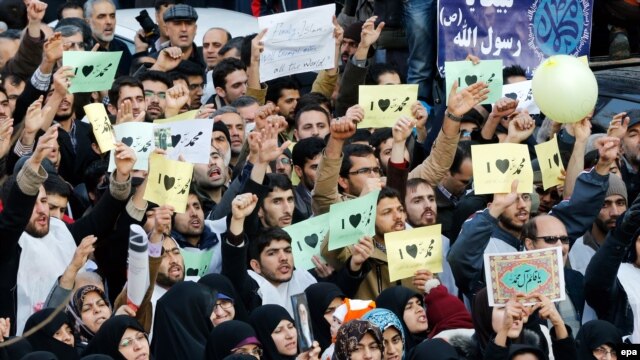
(350,334)
(74,309)
(384,319)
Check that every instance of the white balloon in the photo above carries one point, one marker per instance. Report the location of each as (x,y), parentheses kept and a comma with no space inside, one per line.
(565,89)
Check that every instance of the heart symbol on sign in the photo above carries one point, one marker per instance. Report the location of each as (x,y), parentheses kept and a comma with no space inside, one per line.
(556,159)
(354,220)
(86,70)
(175,139)
(470,79)
(412,250)
(127,140)
(169,182)
(502,165)
(513,96)
(384,104)
(311,240)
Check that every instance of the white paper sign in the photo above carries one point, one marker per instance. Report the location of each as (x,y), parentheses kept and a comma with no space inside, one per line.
(297,41)
(523,93)
(189,138)
(139,137)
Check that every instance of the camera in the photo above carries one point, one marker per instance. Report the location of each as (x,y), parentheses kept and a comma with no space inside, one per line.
(151,31)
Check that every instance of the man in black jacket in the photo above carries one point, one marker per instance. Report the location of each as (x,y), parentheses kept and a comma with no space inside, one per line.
(611,279)
(25,226)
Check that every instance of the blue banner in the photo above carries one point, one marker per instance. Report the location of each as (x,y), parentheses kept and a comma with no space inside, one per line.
(522,32)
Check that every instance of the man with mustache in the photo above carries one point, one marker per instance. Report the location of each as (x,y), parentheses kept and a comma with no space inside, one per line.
(101,17)
(498,228)
(615,203)
(235,123)
(155,85)
(37,248)
(211,179)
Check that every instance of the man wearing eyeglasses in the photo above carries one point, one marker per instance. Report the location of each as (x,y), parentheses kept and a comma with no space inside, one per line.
(499,228)
(155,86)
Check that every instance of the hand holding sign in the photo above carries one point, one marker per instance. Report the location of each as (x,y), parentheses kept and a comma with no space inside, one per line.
(125,158)
(360,252)
(61,80)
(495,166)
(524,273)
(459,103)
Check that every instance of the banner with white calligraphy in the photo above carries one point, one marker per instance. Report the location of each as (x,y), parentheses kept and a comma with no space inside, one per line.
(522,32)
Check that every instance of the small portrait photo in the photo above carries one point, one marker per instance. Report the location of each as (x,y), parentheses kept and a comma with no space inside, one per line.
(162,138)
(303,321)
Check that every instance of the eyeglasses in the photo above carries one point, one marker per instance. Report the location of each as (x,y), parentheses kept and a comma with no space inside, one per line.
(554,239)
(255,352)
(165,252)
(602,352)
(367,171)
(160,95)
(140,338)
(78,45)
(284,161)
(223,304)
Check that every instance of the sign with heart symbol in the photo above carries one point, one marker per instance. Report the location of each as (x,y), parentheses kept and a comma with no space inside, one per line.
(467,74)
(168,182)
(196,261)
(550,162)
(139,137)
(350,220)
(522,92)
(414,249)
(93,70)
(528,272)
(307,237)
(101,126)
(190,138)
(496,166)
(384,104)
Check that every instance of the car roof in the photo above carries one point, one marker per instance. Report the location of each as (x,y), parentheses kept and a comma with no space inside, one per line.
(238,24)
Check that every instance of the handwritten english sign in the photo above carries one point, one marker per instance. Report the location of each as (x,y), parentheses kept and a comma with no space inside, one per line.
(520,32)
(524,273)
(297,41)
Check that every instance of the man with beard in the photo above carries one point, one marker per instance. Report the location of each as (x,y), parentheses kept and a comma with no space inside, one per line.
(284,92)
(498,228)
(615,203)
(127,101)
(200,237)
(36,249)
(101,16)
(155,85)
(211,179)
(272,277)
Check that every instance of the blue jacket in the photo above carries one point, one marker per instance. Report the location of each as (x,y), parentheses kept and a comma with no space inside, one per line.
(482,231)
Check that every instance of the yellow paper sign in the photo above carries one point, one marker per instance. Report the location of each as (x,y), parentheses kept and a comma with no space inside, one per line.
(189,115)
(101,126)
(168,182)
(384,104)
(495,166)
(412,250)
(550,163)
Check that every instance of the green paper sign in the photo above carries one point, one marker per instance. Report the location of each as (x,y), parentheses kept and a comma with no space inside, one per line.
(93,70)
(467,74)
(525,278)
(306,239)
(196,261)
(351,220)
